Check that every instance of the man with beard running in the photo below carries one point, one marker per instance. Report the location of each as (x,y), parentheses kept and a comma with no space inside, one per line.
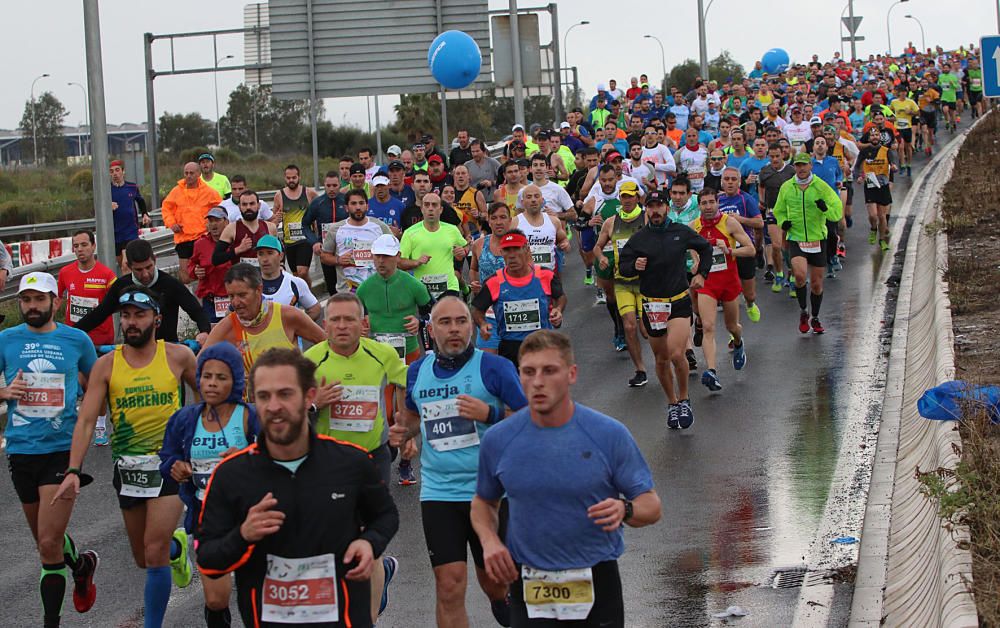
(143,382)
(348,243)
(290,205)
(238,240)
(41,361)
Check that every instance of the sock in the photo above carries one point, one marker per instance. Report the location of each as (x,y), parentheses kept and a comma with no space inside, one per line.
(403,462)
(175,549)
(218,619)
(52,587)
(156,596)
(615,318)
(800,295)
(815,300)
(70,555)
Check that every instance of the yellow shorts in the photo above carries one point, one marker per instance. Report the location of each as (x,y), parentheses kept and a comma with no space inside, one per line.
(628,297)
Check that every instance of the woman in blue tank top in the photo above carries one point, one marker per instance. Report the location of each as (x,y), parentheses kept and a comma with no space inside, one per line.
(198,437)
(486,260)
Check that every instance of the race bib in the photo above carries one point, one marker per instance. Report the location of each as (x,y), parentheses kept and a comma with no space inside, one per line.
(44,397)
(620,244)
(696,173)
(657,313)
(608,248)
(300,590)
(522,315)
(902,124)
(871,181)
(718,260)
(436,284)
(541,254)
(444,429)
(362,255)
(396,341)
(201,471)
(80,307)
(294,230)
(140,476)
(562,595)
(221,306)
(357,409)
(975,83)
(810,247)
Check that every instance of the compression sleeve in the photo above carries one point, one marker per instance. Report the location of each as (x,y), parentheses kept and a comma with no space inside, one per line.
(223,253)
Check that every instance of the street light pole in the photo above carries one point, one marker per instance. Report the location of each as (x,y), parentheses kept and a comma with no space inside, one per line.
(34,132)
(565,57)
(86,110)
(215,79)
(923,40)
(663,58)
(888,31)
(702,44)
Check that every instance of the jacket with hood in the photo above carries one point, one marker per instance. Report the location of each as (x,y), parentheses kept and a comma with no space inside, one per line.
(188,207)
(182,425)
(799,207)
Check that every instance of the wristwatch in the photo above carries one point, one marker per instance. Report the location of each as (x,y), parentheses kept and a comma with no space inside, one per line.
(629,510)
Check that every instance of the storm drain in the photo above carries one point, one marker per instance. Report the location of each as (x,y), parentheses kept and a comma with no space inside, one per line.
(792,577)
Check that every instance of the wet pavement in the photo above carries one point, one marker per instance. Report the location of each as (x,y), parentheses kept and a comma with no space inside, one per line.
(745,491)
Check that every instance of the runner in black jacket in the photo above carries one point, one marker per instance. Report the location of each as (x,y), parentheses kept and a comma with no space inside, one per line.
(299,517)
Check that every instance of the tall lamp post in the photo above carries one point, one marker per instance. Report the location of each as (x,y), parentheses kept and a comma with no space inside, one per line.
(215,79)
(888,31)
(923,40)
(34,133)
(86,109)
(663,59)
(575,100)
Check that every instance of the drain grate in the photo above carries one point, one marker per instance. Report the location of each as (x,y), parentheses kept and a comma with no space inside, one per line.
(792,577)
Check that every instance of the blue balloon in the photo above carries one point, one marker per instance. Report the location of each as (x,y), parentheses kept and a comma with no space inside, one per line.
(454,59)
(774,61)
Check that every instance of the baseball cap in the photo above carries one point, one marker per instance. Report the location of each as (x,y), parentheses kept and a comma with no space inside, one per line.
(395,163)
(385,244)
(418,146)
(517,127)
(380,180)
(816,120)
(612,156)
(435,159)
(357,169)
(601,87)
(269,242)
(628,188)
(207,156)
(564,125)
(139,299)
(394,150)
(426,137)
(39,281)
(544,134)
(802,158)
(656,196)
(513,241)
(218,212)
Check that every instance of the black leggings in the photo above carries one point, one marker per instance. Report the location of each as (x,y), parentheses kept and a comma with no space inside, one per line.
(831,239)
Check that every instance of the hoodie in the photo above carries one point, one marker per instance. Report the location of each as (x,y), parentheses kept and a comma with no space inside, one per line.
(188,207)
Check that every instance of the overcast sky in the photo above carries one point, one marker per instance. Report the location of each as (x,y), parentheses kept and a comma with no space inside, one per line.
(46,36)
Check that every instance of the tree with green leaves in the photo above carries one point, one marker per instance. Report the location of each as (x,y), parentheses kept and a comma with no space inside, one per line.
(180,131)
(45,128)
(722,69)
(256,121)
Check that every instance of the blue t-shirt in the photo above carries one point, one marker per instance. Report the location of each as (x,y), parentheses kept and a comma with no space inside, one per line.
(126,223)
(449,474)
(407,195)
(388,212)
(752,165)
(740,204)
(829,170)
(42,422)
(735,161)
(548,526)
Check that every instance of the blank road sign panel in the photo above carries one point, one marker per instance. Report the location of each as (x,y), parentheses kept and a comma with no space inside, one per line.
(989,48)
(367,47)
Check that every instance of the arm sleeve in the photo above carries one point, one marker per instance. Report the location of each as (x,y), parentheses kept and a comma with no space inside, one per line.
(484,300)
(223,253)
(221,548)
(103,310)
(556,288)
(379,515)
(189,304)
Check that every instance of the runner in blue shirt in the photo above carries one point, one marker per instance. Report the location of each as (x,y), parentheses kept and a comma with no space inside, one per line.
(126,200)
(385,206)
(745,208)
(751,166)
(42,360)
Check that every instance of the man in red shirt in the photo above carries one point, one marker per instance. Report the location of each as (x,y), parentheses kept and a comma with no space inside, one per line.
(211,285)
(83,285)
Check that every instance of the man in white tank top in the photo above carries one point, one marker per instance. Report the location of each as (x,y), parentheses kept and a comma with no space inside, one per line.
(544,231)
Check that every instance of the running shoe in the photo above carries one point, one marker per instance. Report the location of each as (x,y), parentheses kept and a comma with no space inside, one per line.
(753,313)
(84,589)
(740,356)
(779,283)
(698,332)
(872,236)
(830,274)
(180,567)
(673,416)
(101,437)
(711,380)
(791,290)
(406,475)
(601,299)
(620,344)
(692,360)
(588,278)
(685,415)
(391,565)
(837,264)
(501,611)
(804,323)
(640,379)
(769,275)
(884,245)
(817,327)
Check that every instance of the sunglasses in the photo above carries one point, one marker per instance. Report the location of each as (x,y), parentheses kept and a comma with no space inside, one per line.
(138,298)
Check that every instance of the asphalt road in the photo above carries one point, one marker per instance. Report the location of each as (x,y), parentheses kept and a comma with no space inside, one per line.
(745,490)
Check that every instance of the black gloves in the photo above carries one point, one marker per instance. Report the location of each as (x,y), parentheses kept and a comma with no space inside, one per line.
(785,226)
(821,204)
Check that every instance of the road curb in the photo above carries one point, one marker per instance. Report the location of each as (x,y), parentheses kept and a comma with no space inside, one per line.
(911,571)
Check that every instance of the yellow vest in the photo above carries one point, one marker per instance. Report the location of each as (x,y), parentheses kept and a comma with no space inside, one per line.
(141,401)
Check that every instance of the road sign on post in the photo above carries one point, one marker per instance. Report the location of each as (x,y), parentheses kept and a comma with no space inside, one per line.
(852,24)
(989,48)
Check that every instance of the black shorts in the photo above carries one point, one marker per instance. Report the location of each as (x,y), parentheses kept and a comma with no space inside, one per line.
(746,267)
(120,247)
(680,308)
(879,196)
(185,250)
(813,259)
(906,134)
(608,609)
(127,502)
(29,471)
(448,532)
(509,349)
(929,119)
(974,97)
(298,254)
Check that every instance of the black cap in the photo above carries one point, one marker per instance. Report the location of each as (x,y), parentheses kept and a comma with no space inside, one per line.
(523,163)
(544,134)
(357,169)
(656,196)
(426,137)
(395,163)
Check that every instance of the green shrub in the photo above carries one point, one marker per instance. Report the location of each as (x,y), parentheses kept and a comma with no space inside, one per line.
(7,184)
(227,158)
(82,180)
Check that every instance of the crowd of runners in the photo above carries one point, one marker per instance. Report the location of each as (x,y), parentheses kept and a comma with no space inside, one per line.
(262,450)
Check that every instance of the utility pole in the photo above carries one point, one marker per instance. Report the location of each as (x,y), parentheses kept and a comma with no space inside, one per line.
(702,43)
(515,47)
(99,134)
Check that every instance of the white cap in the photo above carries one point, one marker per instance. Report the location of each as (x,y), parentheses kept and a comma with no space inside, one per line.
(380,180)
(385,244)
(564,125)
(42,282)
(601,87)
(394,150)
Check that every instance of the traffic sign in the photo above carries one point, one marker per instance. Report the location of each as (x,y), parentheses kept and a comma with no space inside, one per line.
(989,49)
(852,27)
(855,38)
